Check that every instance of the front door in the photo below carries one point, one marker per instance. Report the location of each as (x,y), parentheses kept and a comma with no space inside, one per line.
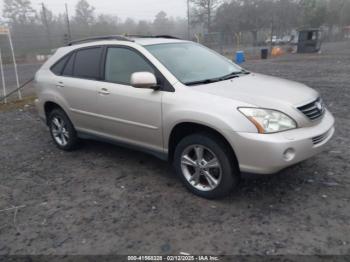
(129,114)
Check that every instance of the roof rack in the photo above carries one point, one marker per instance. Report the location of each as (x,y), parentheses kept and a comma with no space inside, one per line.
(167,36)
(154,36)
(99,38)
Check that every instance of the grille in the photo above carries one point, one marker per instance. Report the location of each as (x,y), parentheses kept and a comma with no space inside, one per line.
(313,110)
(319,139)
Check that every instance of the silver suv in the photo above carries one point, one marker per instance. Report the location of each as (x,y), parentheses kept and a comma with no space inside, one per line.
(182,102)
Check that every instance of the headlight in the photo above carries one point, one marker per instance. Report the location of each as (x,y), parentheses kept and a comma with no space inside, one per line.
(268,120)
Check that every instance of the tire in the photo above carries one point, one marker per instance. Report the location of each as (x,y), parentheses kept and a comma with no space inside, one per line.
(62,130)
(194,173)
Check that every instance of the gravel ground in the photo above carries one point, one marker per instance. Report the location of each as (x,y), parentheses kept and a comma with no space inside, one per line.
(104,199)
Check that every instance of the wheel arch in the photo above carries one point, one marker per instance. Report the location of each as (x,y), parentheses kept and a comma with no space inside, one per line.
(49,106)
(183,129)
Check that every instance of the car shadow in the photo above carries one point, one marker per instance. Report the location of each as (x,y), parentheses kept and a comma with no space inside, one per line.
(283,186)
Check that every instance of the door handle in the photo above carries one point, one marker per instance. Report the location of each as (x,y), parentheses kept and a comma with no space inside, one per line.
(104,91)
(60,84)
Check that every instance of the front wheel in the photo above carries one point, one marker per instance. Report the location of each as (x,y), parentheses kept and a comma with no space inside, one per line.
(205,165)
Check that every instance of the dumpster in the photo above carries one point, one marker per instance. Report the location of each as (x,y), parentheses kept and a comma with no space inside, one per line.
(240,58)
(309,40)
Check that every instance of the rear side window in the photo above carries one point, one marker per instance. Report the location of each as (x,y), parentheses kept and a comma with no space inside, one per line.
(121,63)
(68,70)
(87,63)
(58,67)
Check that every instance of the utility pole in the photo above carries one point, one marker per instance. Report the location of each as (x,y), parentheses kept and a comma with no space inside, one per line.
(209,15)
(46,23)
(68,25)
(188,21)
(272,31)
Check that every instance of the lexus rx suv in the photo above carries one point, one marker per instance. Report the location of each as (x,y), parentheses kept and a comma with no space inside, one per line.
(183,103)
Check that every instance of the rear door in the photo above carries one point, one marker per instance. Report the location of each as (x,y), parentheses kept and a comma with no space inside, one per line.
(78,84)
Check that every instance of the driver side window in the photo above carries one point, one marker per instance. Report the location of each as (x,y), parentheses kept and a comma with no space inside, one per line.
(121,63)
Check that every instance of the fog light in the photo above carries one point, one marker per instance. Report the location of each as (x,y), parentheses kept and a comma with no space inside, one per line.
(289,154)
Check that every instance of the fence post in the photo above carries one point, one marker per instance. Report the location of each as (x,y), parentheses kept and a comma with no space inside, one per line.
(14,64)
(3,78)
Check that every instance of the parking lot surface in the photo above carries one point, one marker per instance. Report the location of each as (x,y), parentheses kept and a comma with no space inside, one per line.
(103,199)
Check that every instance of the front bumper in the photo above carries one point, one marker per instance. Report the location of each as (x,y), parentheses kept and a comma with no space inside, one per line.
(270,153)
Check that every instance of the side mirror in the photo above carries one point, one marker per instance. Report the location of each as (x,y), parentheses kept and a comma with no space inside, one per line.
(144,80)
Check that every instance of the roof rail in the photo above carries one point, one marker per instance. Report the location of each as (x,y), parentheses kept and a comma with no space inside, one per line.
(100,38)
(166,36)
(154,36)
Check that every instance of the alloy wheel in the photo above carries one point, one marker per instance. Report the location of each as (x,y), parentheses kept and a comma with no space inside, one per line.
(59,131)
(201,167)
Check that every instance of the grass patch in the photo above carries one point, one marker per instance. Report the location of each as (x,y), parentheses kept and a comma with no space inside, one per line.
(11,105)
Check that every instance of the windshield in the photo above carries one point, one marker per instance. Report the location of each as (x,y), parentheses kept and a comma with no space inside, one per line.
(193,63)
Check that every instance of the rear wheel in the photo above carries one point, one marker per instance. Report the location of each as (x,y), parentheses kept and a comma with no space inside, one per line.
(62,130)
(205,165)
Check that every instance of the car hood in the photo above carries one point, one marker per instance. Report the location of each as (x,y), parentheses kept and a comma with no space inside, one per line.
(261,90)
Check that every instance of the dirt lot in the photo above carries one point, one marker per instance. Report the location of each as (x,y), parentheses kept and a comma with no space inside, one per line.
(104,199)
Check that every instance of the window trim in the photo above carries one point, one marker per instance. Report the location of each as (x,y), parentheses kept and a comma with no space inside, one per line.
(68,56)
(73,53)
(99,64)
(120,82)
(72,56)
(165,85)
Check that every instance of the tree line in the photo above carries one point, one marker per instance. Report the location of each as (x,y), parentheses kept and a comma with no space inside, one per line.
(41,31)
(276,17)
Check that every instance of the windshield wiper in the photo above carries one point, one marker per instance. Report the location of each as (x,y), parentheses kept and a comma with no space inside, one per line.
(234,74)
(212,80)
(205,81)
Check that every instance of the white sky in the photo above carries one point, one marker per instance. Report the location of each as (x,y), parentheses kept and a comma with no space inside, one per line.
(136,9)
